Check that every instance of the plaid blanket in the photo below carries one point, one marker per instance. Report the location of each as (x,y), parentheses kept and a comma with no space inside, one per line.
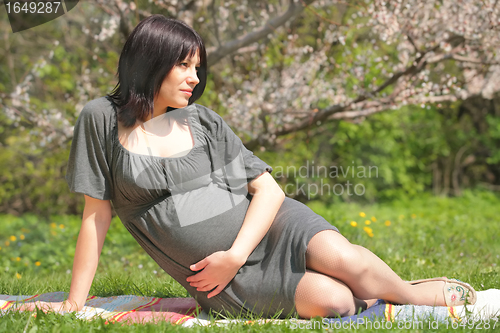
(128,309)
(185,311)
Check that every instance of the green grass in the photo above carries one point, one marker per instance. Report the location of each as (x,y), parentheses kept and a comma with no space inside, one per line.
(428,237)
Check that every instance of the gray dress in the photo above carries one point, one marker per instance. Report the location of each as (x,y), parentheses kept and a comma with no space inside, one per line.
(182,209)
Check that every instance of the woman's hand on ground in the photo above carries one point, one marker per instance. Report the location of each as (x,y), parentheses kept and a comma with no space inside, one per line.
(218,269)
(48,306)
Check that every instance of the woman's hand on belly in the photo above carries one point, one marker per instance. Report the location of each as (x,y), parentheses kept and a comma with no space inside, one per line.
(218,269)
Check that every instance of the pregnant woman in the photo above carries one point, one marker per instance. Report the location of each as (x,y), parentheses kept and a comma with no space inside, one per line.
(204,207)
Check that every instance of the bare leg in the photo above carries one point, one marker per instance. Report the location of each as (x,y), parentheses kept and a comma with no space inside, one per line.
(366,275)
(321,295)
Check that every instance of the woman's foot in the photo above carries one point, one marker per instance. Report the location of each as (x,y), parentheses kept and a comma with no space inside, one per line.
(454,292)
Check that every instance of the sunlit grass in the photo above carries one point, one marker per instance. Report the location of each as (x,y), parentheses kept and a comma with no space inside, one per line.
(428,237)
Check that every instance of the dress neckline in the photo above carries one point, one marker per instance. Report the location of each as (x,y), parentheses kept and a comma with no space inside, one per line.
(131,153)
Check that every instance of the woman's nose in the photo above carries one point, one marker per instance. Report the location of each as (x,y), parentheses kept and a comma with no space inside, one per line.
(193,77)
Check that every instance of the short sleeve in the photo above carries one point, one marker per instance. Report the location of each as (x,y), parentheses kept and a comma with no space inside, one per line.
(234,150)
(88,169)
(233,155)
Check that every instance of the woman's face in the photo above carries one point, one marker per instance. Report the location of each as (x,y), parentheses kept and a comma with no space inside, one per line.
(178,85)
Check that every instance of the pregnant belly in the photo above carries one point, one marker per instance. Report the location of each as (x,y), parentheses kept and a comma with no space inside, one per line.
(187,244)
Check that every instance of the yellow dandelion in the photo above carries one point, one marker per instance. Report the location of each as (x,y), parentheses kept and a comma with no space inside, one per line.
(387,223)
(18,275)
(413,216)
(7,243)
(0,247)
(368,230)
(61,226)
(18,259)
(13,238)
(374,219)
(368,222)
(354,223)
(53,225)
(362,214)
(38,263)
(22,237)
(370,234)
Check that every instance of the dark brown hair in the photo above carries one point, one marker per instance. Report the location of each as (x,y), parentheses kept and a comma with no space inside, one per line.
(153,48)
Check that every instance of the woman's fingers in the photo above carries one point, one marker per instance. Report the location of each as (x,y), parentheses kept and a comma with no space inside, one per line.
(207,287)
(26,307)
(199,284)
(202,285)
(44,306)
(198,280)
(197,277)
(216,291)
(217,272)
(199,265)
(32,306)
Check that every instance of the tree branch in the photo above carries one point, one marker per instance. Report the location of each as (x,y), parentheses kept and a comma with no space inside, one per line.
(321,17)
(472,60)
(125,26)
(345,111)
(10,60)
(215,55)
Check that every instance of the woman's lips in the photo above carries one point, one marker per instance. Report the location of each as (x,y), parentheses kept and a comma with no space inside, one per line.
(188,92)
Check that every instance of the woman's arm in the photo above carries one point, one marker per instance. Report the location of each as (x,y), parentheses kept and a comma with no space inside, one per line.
(266,201)
(95,224)
(220,267)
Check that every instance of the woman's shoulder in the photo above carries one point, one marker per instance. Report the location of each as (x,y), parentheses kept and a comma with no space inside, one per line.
(99,109)
(210,120)
(99,116)
(207,113)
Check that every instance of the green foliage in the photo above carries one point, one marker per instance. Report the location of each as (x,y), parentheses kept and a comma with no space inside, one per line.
(406,147)
(492,139)
(33,178)
(388,156)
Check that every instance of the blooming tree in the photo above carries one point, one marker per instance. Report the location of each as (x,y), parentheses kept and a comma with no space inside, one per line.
(277,67)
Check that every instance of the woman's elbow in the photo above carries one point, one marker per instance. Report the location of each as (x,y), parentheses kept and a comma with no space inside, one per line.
(266,186)
(280,193)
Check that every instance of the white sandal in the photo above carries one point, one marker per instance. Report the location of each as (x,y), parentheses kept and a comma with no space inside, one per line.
(455,292)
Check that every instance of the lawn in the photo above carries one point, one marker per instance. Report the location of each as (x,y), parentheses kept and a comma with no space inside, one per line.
(428,237)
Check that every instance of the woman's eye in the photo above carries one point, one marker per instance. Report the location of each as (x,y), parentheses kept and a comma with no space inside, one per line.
(184,64)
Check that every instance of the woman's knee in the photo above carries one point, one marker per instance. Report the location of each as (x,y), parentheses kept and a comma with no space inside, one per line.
(321,295)
(353,260)
(329,305)
(330,253)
